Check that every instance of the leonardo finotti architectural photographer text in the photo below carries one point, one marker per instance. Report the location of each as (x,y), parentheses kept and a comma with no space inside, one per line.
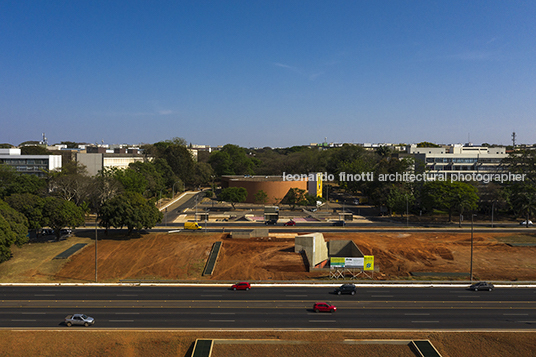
(407,177)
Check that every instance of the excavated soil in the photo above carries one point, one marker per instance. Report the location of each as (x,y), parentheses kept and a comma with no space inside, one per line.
(396,255)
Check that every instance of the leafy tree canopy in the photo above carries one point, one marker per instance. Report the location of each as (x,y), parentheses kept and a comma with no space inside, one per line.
(427,144)
(13,230)
(34,150)
(233,195)
(31,206)
(61,214)
(129,210)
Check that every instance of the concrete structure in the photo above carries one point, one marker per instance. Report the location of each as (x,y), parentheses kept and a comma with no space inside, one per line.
(95,162)
(275,187)
(458,159)
(30,164)
(314,246)
(254,233)
(344,248)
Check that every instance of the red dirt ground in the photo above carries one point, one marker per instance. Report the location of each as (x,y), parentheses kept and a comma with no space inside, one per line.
(183,256)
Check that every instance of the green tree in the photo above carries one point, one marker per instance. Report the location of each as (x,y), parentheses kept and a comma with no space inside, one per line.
(13,230)
(72,183)
(232,160)
(524,202)
(427,144)
(31,206)
(203,174)
(153,177)
(132,180)
(233,195)
(261,197)
(12,182)
(449,196)
(34,150)
(61,214)
(295,197)
(399,199)
(129,210)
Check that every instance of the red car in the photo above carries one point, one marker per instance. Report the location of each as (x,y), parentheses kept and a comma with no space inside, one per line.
(290,223)
(241,286)
(324,307)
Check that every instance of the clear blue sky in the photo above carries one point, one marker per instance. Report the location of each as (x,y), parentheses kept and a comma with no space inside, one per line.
(268,73)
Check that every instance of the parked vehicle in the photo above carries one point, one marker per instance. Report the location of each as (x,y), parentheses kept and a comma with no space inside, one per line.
(346,289)
(47,232)
(192,226)
(482,285)
(79,319)
(241,286)
(290,223)
(324,307)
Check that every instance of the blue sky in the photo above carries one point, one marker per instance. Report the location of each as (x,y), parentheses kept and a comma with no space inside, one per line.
(268,73)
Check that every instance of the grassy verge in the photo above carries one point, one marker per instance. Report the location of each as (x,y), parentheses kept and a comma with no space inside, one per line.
(34,262)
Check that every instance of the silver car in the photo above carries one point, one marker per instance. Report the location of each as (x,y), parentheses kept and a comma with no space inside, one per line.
(482,285)
(79,319)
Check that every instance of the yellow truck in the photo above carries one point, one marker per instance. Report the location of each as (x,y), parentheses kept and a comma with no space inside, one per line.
(192,226)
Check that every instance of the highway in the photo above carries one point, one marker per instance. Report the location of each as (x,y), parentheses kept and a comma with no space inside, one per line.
(284,307)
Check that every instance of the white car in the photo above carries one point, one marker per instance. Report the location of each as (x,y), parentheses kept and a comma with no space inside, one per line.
(524,223)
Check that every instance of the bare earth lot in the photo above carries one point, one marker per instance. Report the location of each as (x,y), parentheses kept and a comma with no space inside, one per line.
(183,256)
(96,343)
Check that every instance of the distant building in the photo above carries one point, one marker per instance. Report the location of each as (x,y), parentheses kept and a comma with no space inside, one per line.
(454,159)
(30,164)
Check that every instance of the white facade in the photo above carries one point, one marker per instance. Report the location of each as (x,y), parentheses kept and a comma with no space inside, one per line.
(98,161)
(458,159)
(30,164)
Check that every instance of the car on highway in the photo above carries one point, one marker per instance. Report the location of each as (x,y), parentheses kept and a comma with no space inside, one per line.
(79,319)
(482,285)
(324,307)
(290,223)
(241,286)
(524,223)
(272,222)
(339,223)
(346,289)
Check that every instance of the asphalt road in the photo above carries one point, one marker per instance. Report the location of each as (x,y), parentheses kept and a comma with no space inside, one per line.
(268,307)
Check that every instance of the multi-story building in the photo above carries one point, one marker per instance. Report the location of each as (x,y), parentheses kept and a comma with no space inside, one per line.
(30,164)
(455,159)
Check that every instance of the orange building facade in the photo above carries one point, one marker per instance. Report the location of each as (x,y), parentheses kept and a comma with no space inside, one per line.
(274,186)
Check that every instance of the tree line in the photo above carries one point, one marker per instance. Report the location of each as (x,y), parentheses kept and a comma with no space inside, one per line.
(126,198)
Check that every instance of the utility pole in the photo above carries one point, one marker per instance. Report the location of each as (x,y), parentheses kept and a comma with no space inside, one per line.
(472,215)
(96,239)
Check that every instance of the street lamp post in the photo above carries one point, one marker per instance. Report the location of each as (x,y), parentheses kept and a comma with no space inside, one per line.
(407,211)
(471,272)
(96,239)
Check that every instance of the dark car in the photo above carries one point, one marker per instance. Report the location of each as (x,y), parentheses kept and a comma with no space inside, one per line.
(272,222)
(346,289)
(482,285)
(324,307)
(339,223)
(290,223)
(241,286)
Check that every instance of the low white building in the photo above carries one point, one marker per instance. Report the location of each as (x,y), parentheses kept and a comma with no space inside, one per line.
(30,164)
(458,158)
